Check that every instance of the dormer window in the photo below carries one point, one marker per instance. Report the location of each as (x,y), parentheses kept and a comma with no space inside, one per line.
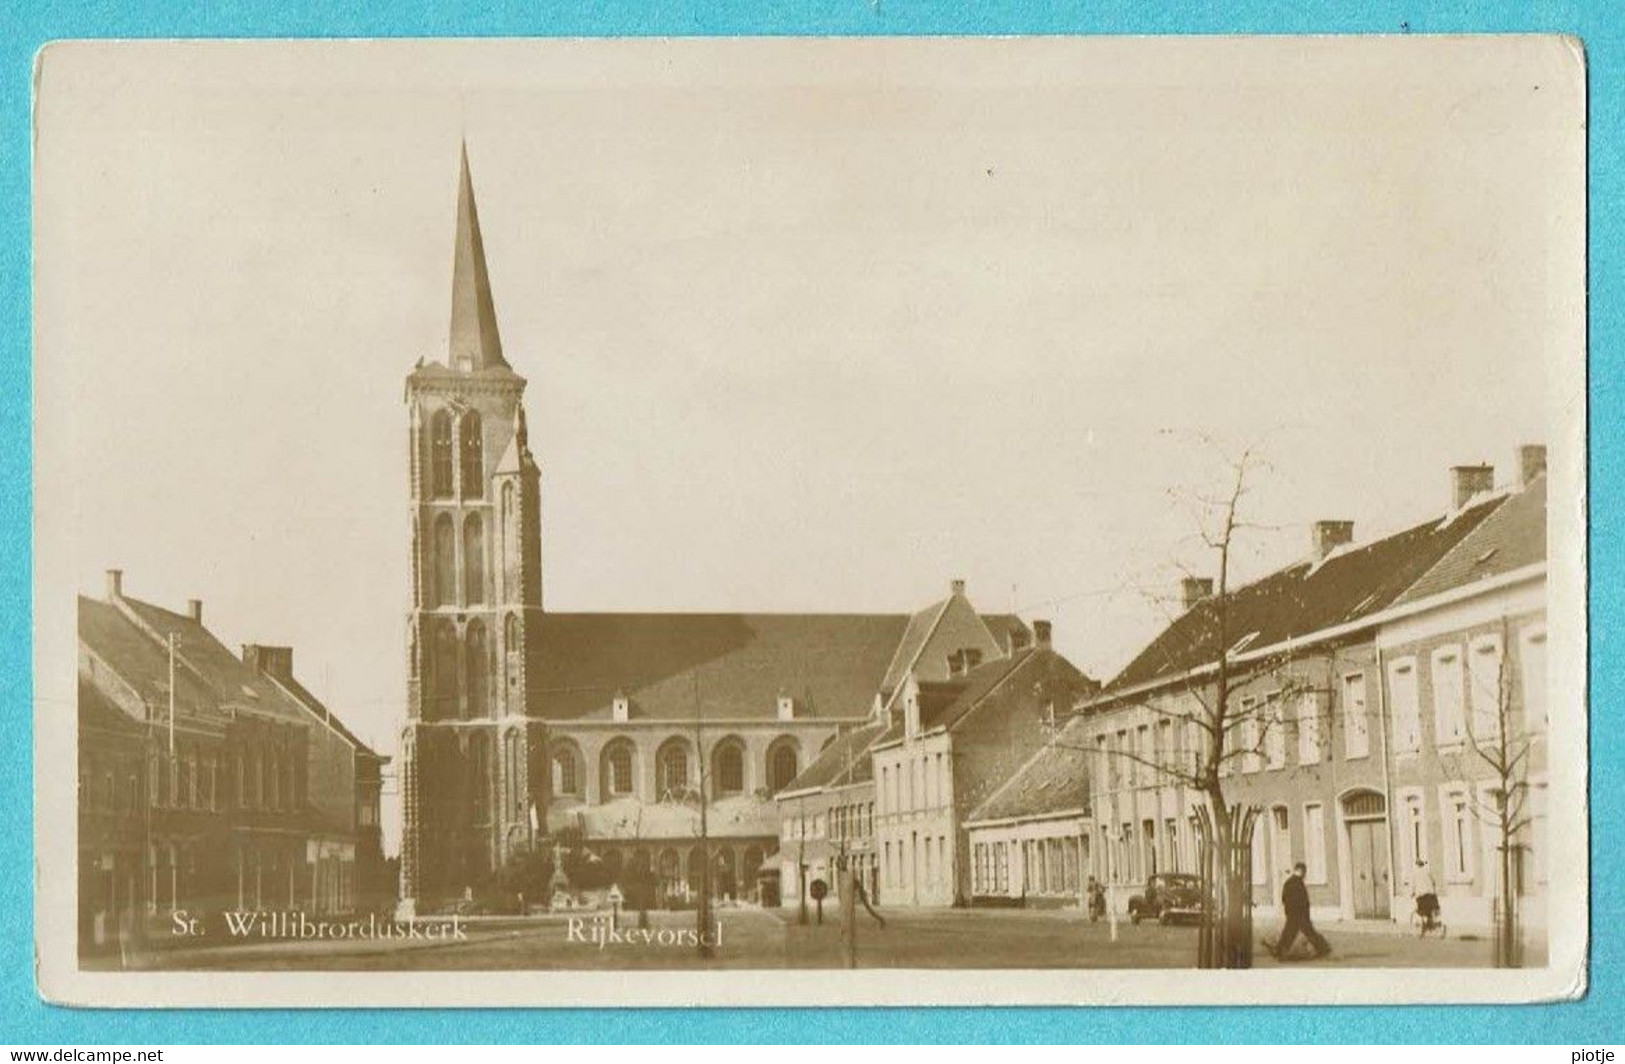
(787,707)
(620,710)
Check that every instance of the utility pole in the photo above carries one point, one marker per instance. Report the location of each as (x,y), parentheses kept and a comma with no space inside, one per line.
(801,858)
(702,911)
(172,699)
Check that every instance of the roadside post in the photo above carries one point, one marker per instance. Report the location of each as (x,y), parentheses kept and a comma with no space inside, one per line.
(849,915)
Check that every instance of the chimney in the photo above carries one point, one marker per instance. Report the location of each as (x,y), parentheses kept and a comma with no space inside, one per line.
(1467,481)
(1327,536)
(1041,633)
(269,661)
(194,609)
(115,584)
(972,658)
(1531,462)
(1194,589)
(956,587)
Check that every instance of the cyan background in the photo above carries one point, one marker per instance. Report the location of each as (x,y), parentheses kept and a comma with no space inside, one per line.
(1600,24)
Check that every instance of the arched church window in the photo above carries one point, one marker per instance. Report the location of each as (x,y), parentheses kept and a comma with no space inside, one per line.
(444,672)
(566,777)
(617,768)
(479,771)
(510,772)
(477,670)
(672,764)
(510,634)
(507,503)
(471,449)
(782,765)
(445,561)
(440,454)
(474,560)
(728,768)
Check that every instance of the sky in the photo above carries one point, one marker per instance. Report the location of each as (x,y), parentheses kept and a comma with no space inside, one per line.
(808,326)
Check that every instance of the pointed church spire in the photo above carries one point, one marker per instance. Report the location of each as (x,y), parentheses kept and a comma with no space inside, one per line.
(475,343)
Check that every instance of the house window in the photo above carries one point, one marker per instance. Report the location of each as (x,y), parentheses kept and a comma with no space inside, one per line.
(1275,737)
(1356,726)
(1250,761)
(1449,720)
(1456,815)
(1407,712)
(1308,729)
(1534,677)
(1413,829)
(1486,689)
(1314,842)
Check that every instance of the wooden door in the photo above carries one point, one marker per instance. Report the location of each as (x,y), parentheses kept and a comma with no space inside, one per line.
(1368,868)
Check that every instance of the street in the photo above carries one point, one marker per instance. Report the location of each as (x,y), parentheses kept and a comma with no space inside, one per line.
(769,939)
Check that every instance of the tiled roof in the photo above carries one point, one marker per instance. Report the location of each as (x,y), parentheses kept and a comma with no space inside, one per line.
(98,712)
(908,648)
(1304,598)
(1512,537)
(944,705)
(232,681)
(137,659)
(209,675)
(843,762)
(1054,780)
(729,666)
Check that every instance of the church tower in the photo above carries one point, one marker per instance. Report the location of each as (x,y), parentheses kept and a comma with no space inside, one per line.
(476,598)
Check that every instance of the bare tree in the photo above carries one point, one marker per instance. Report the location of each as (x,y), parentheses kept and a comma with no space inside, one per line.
(1218,732)
(1497,749)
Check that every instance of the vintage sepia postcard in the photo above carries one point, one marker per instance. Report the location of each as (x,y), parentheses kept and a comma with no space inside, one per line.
(792,521)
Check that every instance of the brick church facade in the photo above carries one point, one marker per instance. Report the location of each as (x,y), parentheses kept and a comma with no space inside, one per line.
(612,729)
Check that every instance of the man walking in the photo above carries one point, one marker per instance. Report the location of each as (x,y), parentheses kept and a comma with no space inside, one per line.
(1295,906)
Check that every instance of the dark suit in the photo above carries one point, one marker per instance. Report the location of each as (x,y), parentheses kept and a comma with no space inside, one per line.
(1295,905)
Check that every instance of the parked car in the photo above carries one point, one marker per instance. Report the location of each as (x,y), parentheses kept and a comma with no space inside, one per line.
(1168,896)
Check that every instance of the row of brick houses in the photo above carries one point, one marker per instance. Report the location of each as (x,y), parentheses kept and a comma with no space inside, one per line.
(210,781)
(892,797)
(1389,700)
